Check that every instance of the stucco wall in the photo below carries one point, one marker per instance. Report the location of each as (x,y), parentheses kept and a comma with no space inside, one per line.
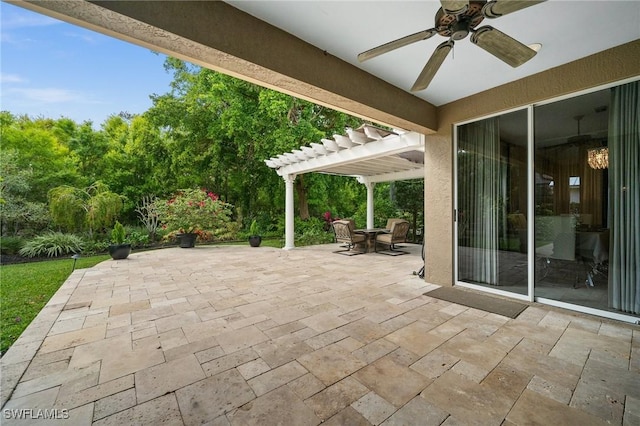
(609,66)
(438,184)
(620,63)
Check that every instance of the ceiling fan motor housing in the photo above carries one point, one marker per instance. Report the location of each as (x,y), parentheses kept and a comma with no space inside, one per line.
(459,26)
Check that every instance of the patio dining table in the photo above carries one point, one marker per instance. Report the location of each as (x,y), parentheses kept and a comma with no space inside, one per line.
(371,233)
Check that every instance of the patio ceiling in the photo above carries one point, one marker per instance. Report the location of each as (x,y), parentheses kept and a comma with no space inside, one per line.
(368,153)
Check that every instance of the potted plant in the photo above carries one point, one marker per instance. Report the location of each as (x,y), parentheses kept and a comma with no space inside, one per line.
(191,211)
(119,249)
(254,238)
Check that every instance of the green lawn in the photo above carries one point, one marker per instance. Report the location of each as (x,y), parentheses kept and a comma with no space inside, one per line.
(27,287)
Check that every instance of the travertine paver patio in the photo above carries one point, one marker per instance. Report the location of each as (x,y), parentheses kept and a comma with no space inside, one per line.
(245,336)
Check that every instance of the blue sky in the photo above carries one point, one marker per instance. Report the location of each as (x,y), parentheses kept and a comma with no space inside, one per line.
(53,69)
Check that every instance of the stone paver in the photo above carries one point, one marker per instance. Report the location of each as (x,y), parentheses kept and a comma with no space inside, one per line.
(166,377)
(214,396)
(373,408)
(278,407)
(331,363)
(233,335)
(400,383)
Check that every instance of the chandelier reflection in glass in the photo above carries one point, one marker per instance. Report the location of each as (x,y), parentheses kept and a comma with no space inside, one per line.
(598,158)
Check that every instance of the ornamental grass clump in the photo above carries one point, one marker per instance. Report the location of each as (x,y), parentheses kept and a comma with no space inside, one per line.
(194,211)
(53,244)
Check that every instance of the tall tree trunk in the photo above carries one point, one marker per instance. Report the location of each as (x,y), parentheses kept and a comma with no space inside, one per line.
(303,203)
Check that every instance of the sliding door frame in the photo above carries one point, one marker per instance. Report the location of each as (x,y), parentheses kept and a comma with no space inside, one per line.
(526,297)
(530,296)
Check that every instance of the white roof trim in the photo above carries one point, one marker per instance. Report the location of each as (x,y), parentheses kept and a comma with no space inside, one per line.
(369,153)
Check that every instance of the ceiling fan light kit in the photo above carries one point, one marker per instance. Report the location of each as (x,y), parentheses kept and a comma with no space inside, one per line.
(456,19)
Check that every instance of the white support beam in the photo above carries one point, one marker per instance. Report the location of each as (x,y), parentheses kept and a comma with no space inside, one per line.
(391,177)
(370,205)
(289,230)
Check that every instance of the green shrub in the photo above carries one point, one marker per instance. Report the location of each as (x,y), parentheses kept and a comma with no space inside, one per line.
(311,232)
(190,210)
(11,245)
(52,245)
(118,233)
(253,229)
(138,238)
(95,247)
(228,232)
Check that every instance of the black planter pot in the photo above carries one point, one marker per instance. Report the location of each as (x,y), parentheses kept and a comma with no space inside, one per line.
(119,251)
(255,240)
(187,240)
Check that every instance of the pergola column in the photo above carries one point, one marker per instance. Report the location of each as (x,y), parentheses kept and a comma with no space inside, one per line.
(289,227)
(370,221)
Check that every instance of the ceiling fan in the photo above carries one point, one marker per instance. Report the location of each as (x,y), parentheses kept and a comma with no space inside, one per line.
(455,20)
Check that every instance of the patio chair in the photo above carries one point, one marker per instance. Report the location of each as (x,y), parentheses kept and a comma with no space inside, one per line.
(390,222)
(389,225)
(344,233)
(397,234)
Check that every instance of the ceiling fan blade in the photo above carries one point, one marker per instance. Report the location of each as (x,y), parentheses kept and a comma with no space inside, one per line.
(497,8)
(502,46)
(454,7)
(435,61)
(392,45)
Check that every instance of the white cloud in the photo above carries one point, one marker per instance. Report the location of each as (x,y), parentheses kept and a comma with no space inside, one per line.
(11,78)
(13,19)
(85,36)
(48,95)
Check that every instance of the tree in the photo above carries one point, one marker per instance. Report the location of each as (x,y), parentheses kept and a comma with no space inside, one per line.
(40,149)
(17,213)
(74,209)
(221,129)
(410,197)
(89,147)
(137,160)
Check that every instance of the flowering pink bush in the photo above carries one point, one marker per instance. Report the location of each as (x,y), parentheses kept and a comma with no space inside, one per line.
(328,220)
(193,210)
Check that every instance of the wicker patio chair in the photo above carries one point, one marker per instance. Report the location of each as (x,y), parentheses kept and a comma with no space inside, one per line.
(344,233)
(397,234)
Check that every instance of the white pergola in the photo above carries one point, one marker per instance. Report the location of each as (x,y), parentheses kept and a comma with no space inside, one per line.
(369,154)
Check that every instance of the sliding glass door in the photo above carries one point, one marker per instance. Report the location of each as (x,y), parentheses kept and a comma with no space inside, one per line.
(492,202)
(582,187)
(571,199)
